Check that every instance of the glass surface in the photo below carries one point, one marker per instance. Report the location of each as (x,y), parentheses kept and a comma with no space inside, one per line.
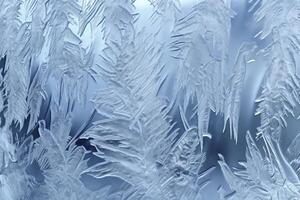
(149,99)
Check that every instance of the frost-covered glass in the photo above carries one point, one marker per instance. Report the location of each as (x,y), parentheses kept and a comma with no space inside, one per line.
(149,99)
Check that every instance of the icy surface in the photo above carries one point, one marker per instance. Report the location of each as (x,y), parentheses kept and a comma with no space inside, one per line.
(149,100)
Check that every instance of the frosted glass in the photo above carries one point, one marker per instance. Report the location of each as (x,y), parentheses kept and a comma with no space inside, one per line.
(149,100)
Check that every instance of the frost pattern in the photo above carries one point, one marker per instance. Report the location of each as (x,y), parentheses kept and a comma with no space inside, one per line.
(61,58)
(201,49)
(269,174)
(135,138)
(281,83)
(261,177)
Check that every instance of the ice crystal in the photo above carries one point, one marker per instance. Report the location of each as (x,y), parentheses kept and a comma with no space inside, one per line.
(97,104)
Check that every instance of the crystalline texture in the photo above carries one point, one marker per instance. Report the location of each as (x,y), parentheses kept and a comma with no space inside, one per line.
(83,114)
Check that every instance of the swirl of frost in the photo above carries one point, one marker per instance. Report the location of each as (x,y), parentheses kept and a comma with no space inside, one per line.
(68,62)
(280,88)
(134,136)
(60,160)
(268,174)
(17,91)
(26,25)
(259,177)
(200,45)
